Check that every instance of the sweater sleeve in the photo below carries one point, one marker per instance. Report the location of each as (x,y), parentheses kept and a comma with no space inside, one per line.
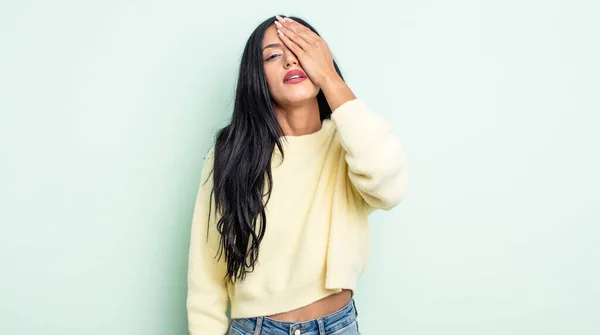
(375,158)
(207,290)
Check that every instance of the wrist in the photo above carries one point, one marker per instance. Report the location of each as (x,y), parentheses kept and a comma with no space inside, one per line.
(331,81)
(336,91)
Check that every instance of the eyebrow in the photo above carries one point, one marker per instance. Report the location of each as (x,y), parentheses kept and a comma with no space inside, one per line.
(273,45)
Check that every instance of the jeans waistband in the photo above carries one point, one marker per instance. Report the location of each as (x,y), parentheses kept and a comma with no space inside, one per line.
(321,325)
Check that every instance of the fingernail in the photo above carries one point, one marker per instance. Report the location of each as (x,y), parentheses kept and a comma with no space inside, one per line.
(279,32)
(279,17)
(278,24)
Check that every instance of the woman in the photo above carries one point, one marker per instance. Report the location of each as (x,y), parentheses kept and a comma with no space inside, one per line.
(294,176)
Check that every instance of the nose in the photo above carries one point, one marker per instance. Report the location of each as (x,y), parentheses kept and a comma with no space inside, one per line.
(290,60)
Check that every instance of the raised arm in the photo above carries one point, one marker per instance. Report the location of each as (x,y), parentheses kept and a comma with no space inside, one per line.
(375,158)
(374,154)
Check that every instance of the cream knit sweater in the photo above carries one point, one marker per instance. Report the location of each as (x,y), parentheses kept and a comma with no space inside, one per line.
(317,234)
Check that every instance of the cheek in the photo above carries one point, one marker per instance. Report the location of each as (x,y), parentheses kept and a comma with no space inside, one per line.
(272,77)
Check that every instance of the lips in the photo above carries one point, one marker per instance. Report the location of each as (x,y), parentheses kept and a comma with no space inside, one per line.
(294,73)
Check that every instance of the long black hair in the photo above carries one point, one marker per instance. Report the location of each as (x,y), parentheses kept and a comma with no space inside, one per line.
(242,159)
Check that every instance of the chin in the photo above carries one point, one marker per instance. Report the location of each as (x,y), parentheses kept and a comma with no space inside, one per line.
(301,94)
(299,99)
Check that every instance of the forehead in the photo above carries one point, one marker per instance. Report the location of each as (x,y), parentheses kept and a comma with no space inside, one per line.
(271,36)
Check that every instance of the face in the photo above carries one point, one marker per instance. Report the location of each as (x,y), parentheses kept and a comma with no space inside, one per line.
(278,61)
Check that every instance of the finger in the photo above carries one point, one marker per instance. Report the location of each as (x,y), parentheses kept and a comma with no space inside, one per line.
(290,44)
(301,42)
(300,29)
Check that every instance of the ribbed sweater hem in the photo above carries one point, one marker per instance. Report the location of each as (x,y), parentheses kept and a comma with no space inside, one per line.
(285,301)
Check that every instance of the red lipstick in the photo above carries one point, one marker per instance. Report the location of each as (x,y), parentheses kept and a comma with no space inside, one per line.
(298,75)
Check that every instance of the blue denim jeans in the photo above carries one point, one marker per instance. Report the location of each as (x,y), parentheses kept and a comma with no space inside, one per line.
(341,322)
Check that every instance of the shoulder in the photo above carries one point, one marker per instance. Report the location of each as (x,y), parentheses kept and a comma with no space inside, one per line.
(208,164)
(210,154)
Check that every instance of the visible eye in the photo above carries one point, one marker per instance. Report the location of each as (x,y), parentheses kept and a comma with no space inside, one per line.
(272,56)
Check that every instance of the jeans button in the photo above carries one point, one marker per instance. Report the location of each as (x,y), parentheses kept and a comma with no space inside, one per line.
(297,332)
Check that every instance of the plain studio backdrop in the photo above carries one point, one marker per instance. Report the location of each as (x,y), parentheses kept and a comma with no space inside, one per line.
(108,108)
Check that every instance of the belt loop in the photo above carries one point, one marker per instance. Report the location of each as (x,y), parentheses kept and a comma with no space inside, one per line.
(321,326)
(258,327)
(355,310)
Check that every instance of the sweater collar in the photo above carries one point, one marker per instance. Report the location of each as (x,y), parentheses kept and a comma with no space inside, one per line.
(309,141)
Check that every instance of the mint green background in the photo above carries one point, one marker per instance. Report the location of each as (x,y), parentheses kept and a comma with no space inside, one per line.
(108,107)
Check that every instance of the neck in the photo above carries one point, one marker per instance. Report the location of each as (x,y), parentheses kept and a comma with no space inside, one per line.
(301,119)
